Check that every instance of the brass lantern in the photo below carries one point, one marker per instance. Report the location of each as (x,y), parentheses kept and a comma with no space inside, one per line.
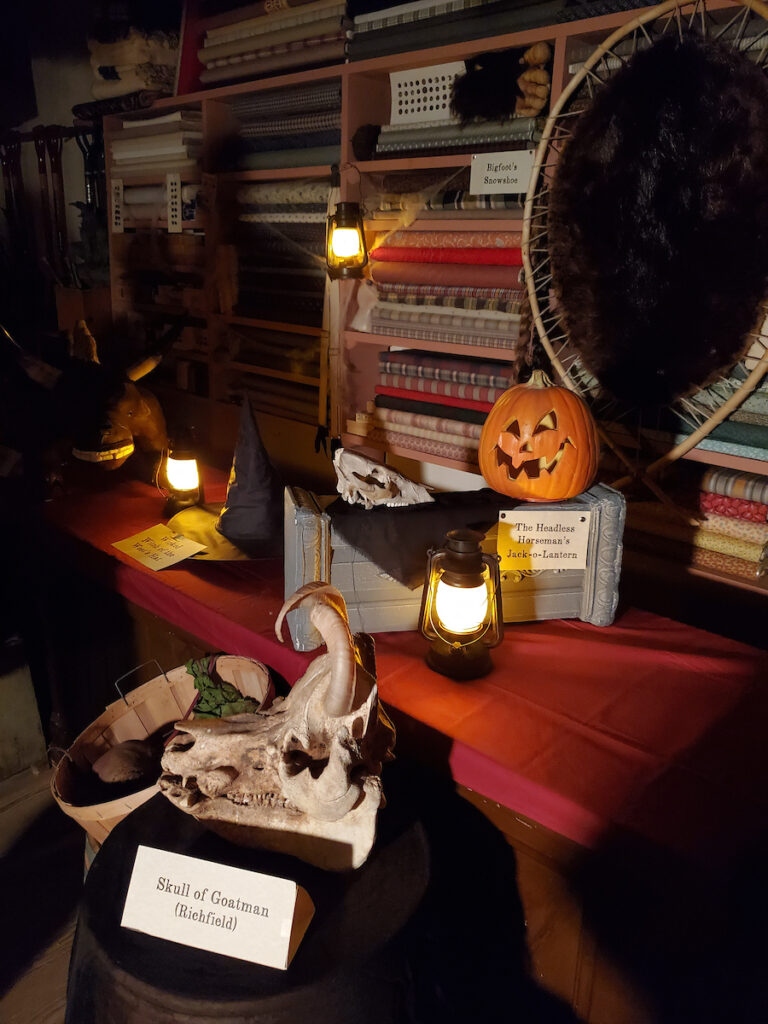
(461,606)
(182,479)
(345,250)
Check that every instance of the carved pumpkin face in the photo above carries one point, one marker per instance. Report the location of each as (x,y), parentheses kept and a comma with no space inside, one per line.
(539,443)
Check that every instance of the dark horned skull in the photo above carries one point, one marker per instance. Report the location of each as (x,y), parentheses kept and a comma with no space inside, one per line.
(303,776)
(101,407)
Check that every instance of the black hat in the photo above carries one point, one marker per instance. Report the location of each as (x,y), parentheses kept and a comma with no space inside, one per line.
(252,516)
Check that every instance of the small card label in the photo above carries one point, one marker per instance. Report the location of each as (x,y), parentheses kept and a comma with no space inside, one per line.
(158,547)
(497,173)
(242,914)
(543,539)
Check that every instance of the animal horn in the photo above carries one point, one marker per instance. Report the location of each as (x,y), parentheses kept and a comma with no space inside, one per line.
(328,615)
(82,344)
(143,367)
(148,363)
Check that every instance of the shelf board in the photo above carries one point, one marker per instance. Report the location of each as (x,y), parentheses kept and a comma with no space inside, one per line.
(413,163)
(273,325)
(499,223)
(738,462)
(265,371)
(478,351)
(356,441)
(158,178)
(646,563)
(161,223)
(269,174)
(225,92)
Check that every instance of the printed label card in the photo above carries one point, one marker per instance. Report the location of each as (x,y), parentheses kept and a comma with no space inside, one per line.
(543,539)
(158,547)
(242,914)
(497,173)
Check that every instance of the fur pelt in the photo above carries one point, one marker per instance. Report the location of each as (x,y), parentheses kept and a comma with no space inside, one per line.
(658,220)
(502,84)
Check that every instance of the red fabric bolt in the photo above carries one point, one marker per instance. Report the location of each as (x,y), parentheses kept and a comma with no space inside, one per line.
(734,508)
(419,254)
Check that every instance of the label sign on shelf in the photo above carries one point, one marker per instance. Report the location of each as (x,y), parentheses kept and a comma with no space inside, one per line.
(543,539)
(496,173)
(199,903)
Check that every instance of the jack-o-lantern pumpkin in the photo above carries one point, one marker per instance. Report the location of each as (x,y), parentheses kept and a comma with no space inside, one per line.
(539,442)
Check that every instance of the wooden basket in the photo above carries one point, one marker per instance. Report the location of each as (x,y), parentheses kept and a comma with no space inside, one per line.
(163,700)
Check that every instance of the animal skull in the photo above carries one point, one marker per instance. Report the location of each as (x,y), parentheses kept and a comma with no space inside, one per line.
(303,776)
(363,481)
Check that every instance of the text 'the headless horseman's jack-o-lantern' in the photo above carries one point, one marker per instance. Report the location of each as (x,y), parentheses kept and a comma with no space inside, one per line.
(539,443)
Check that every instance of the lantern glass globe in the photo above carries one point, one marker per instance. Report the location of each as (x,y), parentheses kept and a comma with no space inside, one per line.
(182,474)
(461,610)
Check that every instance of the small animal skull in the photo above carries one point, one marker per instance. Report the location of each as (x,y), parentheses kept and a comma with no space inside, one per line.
(302,777)
(363,481)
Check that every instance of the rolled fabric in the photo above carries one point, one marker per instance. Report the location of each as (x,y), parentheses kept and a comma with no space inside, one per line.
(742,529)
(465,275)
(275,193)
(282,102)
(274,13)
(313,121)
(479,319)
(248,47)
(484,257)
(315,156)
(734,508)
(441,449)
(456,239)
(141,194)
(307,54)
(649,518)
(299,140)
(732,483)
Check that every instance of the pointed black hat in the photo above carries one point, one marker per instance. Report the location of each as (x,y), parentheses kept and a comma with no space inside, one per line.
(252,516)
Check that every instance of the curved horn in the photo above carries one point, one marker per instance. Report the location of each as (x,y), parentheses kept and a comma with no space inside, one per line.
(143,367)
(328,615)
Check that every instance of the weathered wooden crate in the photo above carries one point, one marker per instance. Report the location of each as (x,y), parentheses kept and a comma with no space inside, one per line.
(377,603)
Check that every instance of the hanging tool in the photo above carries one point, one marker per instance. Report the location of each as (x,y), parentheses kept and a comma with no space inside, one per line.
(54,143)
(38,134)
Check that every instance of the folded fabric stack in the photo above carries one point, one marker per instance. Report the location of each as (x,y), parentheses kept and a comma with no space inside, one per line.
(295,127)
(166,144)
(449,136)
(139,61)
(724,543)
(266,39)
(455,287)
(426,23)
(150,203)
(441,196)
(432,404)
(281,240)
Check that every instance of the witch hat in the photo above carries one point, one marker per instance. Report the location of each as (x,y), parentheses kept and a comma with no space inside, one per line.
(252,516)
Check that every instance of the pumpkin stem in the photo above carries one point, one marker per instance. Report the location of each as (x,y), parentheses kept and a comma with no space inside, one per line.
(539,379)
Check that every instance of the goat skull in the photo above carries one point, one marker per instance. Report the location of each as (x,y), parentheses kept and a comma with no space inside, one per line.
(363,481)
(302,777)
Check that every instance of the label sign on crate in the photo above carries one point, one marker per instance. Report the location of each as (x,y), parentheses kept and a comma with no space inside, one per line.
(496,173)
(543,539)
(243,914)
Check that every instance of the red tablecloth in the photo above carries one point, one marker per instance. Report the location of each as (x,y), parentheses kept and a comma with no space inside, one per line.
(649,724)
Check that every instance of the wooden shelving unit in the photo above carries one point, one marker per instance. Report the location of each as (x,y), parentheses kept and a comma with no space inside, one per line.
(365,98)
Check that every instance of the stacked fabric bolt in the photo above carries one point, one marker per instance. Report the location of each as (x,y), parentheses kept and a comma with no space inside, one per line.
(449,136)
(454,287)
(150,203)
(139,61)
(426,23)
(441,196)
(299,126)
(431,403)
(266,39)
(736,546)
(281,239)
(166,144)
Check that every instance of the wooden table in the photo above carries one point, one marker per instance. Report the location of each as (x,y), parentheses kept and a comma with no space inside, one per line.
(641,743)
